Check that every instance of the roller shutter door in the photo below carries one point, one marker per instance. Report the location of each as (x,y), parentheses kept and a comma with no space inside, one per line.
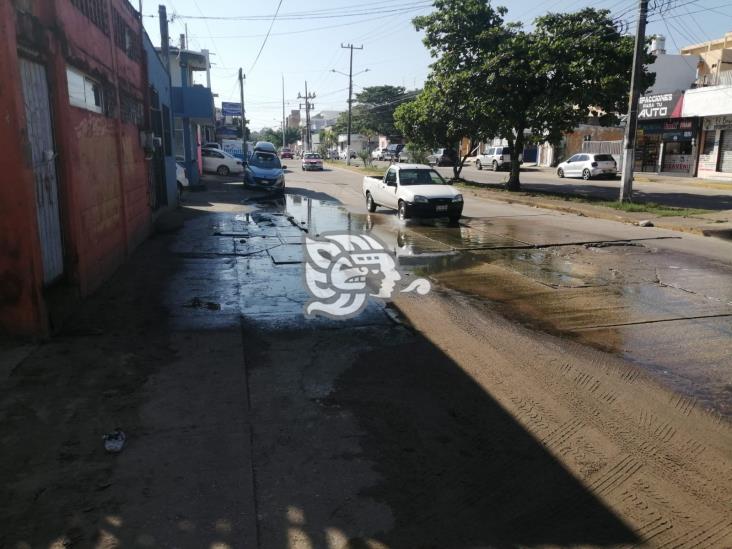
(725,152)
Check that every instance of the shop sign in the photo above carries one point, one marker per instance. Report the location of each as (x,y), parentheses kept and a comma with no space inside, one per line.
(673,130)
(230,109)
(718,123)
(660,105)
(677,163)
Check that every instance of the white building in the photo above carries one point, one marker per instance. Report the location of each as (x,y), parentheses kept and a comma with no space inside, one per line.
(673,72)
(714,105)
(358,143)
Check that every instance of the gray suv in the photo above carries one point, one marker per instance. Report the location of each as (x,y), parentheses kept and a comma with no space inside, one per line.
(496,158)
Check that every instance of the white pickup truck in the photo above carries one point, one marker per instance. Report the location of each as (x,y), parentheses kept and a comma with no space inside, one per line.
(413,190)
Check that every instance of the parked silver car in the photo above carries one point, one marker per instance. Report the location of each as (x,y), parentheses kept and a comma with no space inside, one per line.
(441,157)
(588,166)
(496,158)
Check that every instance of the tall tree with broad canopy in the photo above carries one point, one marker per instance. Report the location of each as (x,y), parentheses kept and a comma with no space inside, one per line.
(440,116)
(375,106)
(373,110)
(543,82)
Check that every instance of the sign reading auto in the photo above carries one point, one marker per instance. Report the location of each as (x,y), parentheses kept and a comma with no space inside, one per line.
(661,105)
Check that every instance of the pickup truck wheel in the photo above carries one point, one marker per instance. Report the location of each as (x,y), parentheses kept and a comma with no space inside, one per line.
(478,165)
(402,211)
(370,204)
(495,166)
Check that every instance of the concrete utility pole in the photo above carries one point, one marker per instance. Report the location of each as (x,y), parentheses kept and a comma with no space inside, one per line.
(350,100)
(626,188)
(244,151)
(164,37)
(308,105)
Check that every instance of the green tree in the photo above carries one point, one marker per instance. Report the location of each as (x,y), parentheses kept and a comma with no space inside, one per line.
(375,106)
(441,116)
(274,136)
(541,83)
(373,111)
(328,138)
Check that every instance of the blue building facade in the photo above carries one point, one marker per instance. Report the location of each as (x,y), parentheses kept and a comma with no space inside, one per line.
(193,110)
(163,169)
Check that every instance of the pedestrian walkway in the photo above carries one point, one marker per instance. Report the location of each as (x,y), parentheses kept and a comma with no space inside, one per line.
(157,352)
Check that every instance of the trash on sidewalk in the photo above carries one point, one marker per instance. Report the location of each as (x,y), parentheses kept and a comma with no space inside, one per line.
(645,223)
(114,441)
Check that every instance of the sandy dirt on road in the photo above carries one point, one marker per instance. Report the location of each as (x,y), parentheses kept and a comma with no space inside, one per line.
(661,465)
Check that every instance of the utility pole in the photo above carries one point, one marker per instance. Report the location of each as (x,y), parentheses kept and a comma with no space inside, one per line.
(626,188)
(244,151)
(308,105)
(284,141)
(164,37)
(350,100)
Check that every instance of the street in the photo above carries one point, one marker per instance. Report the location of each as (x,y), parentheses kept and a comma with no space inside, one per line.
(565,382)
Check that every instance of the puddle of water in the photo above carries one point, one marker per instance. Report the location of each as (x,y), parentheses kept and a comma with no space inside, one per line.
(628,300)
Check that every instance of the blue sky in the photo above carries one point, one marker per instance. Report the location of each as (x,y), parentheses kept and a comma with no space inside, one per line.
(304,43)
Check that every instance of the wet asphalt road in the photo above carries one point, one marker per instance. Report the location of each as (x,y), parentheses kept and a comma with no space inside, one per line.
(657,298)
(561,385)
(424,432)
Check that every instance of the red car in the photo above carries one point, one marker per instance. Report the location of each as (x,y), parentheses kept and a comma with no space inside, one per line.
(312,161)
(286,153)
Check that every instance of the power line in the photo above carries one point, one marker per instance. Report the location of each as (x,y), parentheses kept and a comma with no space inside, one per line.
(264,42)
(305,31)
(297,16)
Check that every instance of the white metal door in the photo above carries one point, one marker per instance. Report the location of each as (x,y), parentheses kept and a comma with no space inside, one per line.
(40,137)
(725,151)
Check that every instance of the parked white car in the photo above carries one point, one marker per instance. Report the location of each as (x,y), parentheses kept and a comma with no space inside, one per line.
(379,154)
(588,166)
(413,190)
(220,162)
(496,158)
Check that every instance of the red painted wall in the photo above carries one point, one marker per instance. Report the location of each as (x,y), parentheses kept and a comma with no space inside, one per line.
(21,303)
(103,181)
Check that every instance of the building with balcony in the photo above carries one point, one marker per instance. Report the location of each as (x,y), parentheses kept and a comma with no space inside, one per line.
(193,107)
(710,101)
(715,58)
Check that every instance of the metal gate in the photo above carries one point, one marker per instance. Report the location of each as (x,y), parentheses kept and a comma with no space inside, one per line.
(40,137)
(725,151)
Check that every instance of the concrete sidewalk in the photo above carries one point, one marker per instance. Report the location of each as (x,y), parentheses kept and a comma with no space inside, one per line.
(158,353)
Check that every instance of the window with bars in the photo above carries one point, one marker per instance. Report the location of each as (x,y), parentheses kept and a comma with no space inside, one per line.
(126,39)
(95,11)
(130,109)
